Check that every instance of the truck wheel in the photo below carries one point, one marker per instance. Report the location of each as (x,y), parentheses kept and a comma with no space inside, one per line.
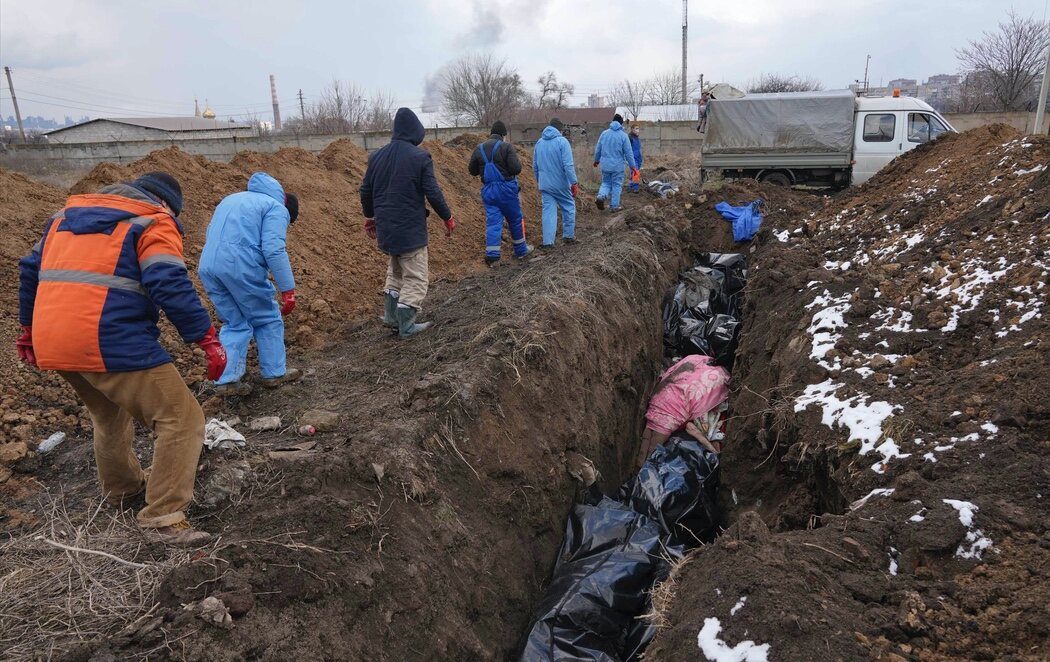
(776,178)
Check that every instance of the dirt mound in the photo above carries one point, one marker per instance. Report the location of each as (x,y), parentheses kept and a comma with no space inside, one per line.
(339,271)
(890,392)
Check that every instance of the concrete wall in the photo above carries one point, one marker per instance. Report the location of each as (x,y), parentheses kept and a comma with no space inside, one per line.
(106,132)
(678,138)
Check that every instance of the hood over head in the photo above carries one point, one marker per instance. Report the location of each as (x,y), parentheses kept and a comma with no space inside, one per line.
(615,126)
(263,183)
(550,133)
(407,127)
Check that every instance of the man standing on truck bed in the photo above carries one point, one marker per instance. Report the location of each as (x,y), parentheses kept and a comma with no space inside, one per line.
(611,153)
(397,184)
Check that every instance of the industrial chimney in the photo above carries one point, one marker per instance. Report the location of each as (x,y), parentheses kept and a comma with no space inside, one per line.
(276,109)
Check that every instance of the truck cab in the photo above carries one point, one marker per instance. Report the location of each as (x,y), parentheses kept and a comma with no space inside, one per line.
(887,127)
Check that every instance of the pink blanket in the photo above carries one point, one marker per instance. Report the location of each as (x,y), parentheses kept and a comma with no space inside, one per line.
(688,390)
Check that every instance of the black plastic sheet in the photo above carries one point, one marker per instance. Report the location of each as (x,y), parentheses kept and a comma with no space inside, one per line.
(701,314)
(615,551)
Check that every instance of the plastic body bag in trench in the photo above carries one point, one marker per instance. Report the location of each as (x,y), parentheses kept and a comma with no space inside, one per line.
(701,314)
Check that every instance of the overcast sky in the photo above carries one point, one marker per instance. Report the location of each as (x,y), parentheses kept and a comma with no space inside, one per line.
(130,57)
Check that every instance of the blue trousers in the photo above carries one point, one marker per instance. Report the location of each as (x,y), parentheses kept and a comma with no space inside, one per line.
(612,187)
(247,308)
(552,202)
(502,203)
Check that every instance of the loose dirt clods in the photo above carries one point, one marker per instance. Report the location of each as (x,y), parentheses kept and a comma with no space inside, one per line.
(906,317)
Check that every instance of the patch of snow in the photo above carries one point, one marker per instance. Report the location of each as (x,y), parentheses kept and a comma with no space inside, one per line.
(893,561)
(861,418)
(919,516)
(716,650)
(888,450)
(738,606)
(1038,168)
(990,428)
(987,198)
(978,542)
(878,491)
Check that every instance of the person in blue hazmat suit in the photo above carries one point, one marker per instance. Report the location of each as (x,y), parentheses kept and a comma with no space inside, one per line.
(244,245)
(496,161)
(612,152)
(555,172)
(636,149)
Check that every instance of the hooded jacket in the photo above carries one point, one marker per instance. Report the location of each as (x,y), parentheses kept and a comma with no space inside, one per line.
(397,184)
(614,149)
(250,229)
(636,149)
(505,158)
(552,162)
(92,286)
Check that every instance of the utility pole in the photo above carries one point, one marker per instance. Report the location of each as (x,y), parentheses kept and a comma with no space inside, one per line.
(685,49)
(302,107)
(14,101)
(866,63)
(1040,110)
(276,109)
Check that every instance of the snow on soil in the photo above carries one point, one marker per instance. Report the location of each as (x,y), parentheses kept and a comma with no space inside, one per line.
(861,418)
(738,606)
(716,650)
(975,538)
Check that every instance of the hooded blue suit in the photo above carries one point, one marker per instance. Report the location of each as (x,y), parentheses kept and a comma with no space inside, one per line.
(246,243)
(612,152)
(555,174)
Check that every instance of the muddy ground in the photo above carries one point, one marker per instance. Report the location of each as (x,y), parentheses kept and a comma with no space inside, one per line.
(422,523)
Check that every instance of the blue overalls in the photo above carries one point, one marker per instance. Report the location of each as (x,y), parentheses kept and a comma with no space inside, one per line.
(500,196)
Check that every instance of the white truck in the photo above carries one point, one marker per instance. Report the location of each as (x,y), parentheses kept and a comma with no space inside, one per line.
(823,139)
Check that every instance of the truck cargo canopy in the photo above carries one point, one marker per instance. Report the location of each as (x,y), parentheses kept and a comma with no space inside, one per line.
(793,122)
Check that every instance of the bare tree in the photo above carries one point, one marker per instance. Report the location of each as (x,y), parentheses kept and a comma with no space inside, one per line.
(1009,61)
(552,93)
(783,83)
(665,88)
(379,112)
(480,89)
(631,96)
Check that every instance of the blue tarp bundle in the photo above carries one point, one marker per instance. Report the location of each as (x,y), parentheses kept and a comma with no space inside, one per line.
(746,220)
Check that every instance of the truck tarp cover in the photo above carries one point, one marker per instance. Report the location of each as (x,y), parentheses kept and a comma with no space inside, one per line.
(790,122)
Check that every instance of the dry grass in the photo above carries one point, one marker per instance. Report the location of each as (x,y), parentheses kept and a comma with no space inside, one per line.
(663,595)
(52,597)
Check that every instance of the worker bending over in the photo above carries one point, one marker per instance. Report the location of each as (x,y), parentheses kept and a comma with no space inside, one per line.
(89,296)
(497,162)
(612,152)
(555,173)
(399,177)
(245,244)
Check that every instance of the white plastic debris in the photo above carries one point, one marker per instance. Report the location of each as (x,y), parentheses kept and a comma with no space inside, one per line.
(49,444)
(218,434)
(265,423)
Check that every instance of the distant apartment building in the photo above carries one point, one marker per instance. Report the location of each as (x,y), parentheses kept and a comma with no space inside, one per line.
(597,101)
(940,90)
(909,87)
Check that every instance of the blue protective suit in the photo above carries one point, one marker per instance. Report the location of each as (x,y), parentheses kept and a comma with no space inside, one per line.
(746,219)
(555,174)
(612,152)
(245,243)
(636,149)
(500,197)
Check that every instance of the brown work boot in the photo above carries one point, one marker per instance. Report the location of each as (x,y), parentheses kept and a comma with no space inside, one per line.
(291,375)
(233,388)
(180,534)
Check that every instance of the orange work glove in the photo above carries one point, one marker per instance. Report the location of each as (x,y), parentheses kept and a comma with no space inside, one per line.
(215,352)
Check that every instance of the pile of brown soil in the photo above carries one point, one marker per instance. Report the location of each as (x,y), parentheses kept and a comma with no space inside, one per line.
(339,271)
(896,341)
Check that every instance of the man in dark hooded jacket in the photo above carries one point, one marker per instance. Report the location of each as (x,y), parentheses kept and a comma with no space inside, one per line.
(397,184)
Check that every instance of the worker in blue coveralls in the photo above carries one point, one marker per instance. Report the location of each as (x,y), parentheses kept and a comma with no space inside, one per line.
(556,176)
(611,153)
(636,149)
(246,243)
(498,164)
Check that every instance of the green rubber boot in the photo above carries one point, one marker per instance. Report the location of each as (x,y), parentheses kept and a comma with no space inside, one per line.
(390,310)
(406,320)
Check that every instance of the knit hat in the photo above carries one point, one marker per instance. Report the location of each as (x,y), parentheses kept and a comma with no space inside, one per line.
(164,186)
(291,203)
(618,118)
(499,129)
(557,124)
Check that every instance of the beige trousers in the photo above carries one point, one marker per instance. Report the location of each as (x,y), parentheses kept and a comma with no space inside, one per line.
(409,275)
(160,400)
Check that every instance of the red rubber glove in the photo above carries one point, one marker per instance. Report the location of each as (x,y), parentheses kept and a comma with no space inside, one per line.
(370,228)
(635,174)
(215,352)
(575,190)
(595,165)
(450,226)
(287,302)
(24,345)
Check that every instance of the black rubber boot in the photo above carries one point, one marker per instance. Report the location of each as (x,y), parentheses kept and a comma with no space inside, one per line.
(389,310)
(406,321)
